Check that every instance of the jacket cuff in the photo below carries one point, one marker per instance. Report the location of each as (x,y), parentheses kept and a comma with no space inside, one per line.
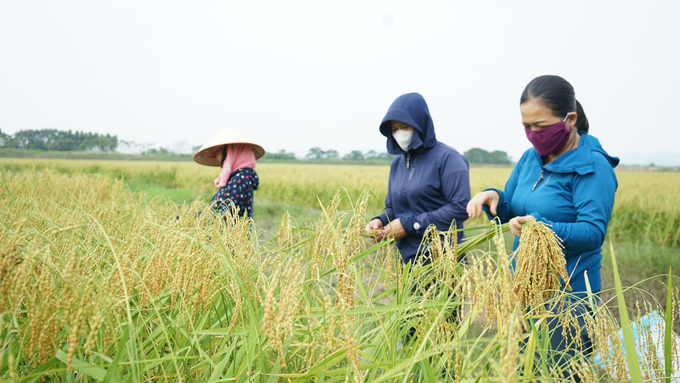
(486,209)
(382,217)
(407,222)
(500,194)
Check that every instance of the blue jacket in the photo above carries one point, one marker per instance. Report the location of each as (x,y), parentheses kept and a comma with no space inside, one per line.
(575,195)
(429,184)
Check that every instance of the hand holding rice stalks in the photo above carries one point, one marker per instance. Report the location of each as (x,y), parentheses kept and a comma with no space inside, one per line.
(539,265)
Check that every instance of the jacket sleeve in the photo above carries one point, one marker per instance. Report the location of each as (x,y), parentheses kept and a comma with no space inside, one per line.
(455,183)
(504,208)
(593,196)
(388,214)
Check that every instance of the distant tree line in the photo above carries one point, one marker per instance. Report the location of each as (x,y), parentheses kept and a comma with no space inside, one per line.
(331,155)
(58,140)
(474,156)
(317,153)
(481,156)
(280,155)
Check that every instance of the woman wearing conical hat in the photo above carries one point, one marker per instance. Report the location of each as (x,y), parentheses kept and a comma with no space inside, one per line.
(236,183)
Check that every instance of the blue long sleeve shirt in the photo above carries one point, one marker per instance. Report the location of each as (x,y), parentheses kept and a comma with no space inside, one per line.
(575,195)
(428,184)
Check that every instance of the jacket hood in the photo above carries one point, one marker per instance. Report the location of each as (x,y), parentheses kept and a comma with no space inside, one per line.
(412,110)
(580,160)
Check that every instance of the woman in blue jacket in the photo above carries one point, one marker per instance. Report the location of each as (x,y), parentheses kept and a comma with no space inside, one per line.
(428,183)
(566,180)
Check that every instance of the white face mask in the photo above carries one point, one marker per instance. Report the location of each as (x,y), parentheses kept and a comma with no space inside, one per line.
(403,138)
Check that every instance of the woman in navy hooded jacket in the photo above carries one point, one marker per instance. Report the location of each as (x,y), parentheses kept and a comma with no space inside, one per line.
(429,181)
(566,180)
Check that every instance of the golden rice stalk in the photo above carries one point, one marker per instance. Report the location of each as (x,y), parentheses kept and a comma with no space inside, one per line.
(235,294)
(539,265)
(279,317)
(326,237)
(510,331)
(584,371)
(284,238)
(603,330)
(10,258)
(347,331)
(327,334)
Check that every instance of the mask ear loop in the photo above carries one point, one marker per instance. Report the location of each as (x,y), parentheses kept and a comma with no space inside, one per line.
(566,118)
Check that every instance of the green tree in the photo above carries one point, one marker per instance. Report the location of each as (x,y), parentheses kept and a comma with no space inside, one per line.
(7,141)
(371,154)
(354,155)
(332,154)
(316,153)
(481,156)
(58,140)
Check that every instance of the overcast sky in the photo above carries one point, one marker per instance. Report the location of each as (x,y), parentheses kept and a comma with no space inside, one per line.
(293,75)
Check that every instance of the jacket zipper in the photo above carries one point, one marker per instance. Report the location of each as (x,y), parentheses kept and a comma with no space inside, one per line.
(537,181)
(403,182)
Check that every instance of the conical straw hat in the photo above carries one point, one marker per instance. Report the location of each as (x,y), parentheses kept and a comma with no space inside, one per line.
(210,153)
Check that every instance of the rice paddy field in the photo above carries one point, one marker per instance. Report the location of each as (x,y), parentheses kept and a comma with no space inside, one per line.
(108,274)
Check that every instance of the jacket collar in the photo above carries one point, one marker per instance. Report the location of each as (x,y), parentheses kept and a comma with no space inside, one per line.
(579,160)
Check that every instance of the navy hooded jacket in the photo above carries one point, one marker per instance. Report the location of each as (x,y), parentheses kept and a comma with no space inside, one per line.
(574,194)
(429,184)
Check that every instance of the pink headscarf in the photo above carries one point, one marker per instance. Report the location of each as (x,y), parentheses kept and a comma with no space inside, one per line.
(238,156)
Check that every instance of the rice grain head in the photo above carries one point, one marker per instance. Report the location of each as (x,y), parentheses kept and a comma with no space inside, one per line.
(539,266)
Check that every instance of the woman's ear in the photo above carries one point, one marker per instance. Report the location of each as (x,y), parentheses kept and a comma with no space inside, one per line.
(571,120)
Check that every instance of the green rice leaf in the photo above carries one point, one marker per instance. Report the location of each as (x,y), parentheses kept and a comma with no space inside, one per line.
(121,350)
(629,343)
(95,372)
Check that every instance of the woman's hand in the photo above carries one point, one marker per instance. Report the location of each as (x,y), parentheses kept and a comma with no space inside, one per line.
(394,230)
(217,182)
(516,224)
(374,229)
(489,197)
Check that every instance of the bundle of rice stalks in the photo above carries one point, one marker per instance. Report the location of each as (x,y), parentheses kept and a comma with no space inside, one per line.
(539,264)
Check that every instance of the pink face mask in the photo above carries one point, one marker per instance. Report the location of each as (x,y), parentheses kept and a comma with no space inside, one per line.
(551,139)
